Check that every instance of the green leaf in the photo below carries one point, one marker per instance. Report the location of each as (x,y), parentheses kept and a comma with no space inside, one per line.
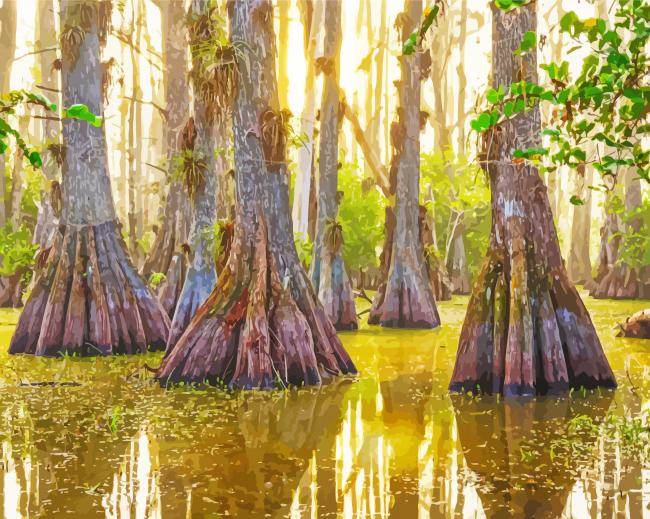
(82,112)
(35,159)
(576,200)
(528,43)
(409,44)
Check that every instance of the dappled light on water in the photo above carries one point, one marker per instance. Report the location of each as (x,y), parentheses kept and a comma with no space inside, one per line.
(97,438)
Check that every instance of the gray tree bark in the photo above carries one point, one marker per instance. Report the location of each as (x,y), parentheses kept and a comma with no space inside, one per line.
(89,299)
(262,324)
(328,273)
(405,300)
(201,274)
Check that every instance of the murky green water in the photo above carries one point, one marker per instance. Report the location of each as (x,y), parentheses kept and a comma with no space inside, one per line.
(106,441)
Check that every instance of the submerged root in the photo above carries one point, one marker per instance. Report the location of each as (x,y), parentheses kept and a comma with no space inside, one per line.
(90,300)
(637,326)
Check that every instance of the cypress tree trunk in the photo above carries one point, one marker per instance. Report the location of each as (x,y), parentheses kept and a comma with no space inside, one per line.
(526,330)
(263,323)
(405,299)
(328,273)
(166,255)
(199,136)
(89,299)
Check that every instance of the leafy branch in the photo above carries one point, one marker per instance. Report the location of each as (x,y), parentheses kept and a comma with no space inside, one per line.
(608,102)
(11,100)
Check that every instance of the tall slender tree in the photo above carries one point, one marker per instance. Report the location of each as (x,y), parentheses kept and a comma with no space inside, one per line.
(441,51)
(579,264)
(89,299)
(311,13)
(263,324)
(48,212)
(328,273)
(210,104)
(7,50)
(526,330)
(166,255)
(405,299)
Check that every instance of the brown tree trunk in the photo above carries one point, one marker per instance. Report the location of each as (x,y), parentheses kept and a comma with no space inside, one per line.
(404,299)
(207,122)
(263,324)
(89,299)
(526,330)
(166,255)
(579,264)
(328,273)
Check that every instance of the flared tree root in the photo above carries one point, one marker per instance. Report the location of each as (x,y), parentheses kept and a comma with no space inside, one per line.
(89,300)
(527,335)
(196,289)
(261,327)
(404,301)
(637,326)
(11,290)
(621,282)
(336,295)
(170,288)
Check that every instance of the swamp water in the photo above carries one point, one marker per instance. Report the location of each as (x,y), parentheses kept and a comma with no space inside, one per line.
(96,437)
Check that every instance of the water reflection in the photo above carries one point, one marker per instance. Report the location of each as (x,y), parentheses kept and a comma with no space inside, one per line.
(526,455)
(136,489)
(390,445)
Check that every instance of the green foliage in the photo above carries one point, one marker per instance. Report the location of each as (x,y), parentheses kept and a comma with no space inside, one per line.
(146,241)
(528,43)
(305,248)
(8,104)
(430,15)
(16,250)
(607,102)
(507,5)
(634,247)
(156,278)
(361,215)
(470,195)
